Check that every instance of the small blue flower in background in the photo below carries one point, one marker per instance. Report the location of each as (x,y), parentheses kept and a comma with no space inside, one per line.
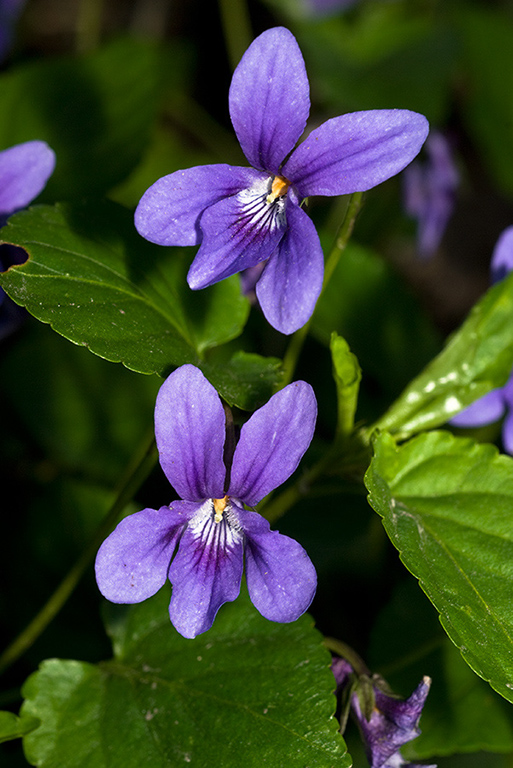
(327,7)
(430,192)
(498,402)
(24,171)
(209,528)
(391,722)
(10,11)
(241,217)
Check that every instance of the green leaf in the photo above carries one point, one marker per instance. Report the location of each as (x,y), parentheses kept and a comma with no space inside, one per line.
(248,692)
(477,358)
(447,506)
(13,727)
(99,284)
(95,111)
(347,375)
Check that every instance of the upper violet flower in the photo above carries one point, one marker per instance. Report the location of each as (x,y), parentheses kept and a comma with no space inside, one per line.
(210,528)
(244,216)
(390,723)
(430,192)
(492,406)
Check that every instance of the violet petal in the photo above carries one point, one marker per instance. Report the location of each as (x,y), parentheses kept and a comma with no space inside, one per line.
(280,576)
(486,410)
(502,258)
(190,434)
(269,99)
(272,442)
(206,571)
(24,171)
(238,232)
(292,280)
(132,563)
(355,152)
(169,211)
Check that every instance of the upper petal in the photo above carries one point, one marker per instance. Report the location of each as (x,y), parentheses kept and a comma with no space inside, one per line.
(190,434)
(272,442)
(168,213)
(132,563)
(292,280)
(269,98)
(24,171)
(281,577)
(354,152)
(206,571)
(238,232)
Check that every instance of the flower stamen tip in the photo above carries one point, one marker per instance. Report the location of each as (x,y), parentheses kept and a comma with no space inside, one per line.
(279,188)
(219,507)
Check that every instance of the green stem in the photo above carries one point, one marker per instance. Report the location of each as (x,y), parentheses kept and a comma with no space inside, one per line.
(347,653)
(89,25)
(298,339)
(137,471)
(236,28)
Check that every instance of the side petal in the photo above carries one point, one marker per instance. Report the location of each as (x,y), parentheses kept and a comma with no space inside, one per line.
(24,171)
(354,152)
(132,563)
(292,280)
(270,99)
(486,410)
(206,571)
(272,442)
(238,232)
(281,577)
(168,213)
(190,434)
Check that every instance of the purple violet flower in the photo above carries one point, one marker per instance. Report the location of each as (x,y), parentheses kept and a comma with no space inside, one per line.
(209,528)
(24,171)
(391,723)
(430,192)
(10,11)
(243,216)
(492,406)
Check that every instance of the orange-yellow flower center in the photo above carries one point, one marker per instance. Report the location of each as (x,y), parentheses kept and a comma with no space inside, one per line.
(219,507)
(279,188)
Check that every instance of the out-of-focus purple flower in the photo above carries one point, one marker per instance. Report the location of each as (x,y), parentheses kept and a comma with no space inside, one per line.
(430,192)
(499,402)
(10,11)
(327,7)
(243,216)
(24,171)
(385,722)
(210,528)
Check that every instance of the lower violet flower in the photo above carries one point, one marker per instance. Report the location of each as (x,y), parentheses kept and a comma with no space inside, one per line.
(241,217)
(385,722)
(209,527)
(499,402)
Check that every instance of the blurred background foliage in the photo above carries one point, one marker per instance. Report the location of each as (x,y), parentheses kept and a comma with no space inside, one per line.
(126,91)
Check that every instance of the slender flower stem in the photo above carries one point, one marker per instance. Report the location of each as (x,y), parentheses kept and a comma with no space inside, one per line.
(347,653)
(137,471)
(89,25)
(298,339)
(236,27)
